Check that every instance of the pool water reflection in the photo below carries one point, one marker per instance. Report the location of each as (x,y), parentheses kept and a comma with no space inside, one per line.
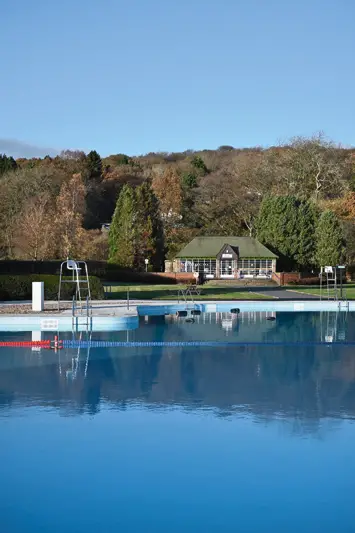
(250,439)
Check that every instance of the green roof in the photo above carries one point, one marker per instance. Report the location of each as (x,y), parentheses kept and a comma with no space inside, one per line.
(246,247)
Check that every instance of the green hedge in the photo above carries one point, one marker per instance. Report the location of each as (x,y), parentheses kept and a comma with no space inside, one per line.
(20,287)
(101,269)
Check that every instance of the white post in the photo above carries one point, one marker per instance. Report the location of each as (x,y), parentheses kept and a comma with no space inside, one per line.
(36,336)
(37,296)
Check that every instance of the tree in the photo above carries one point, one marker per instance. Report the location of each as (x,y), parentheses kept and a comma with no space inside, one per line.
(73,155)
(229,199)
(93,171)
(93,245)
(225,148)
(189,180)
(68,163)
(121,235)
(70,208)
(285,224)
(35,229)
(307,220)
(177,238)
(329,240)
(122,159)
(92,178)
(18,189)
(7,164)
(349,236)
(277,225)
(198,163)
(212,192)
(167,187)
(149,232)
(136,231)
(189,214)
(343,207)
(310,168)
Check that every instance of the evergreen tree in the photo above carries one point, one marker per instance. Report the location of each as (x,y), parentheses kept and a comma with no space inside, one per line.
(265,221)
(7,164)
(92,177)
(122,230)
(122,159)
(286,225)
(329,240)
(307,222)
(149,233)
(189,180)
(199,164)
(93,173)
(136,231)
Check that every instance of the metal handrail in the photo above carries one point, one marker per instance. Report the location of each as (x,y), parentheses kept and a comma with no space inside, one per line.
(185,293)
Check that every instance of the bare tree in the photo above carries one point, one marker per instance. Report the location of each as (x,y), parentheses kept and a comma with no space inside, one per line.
(72,154)
(310,167)
(35,229)
(167,187)
(17,191)
(70,208)
(230,198)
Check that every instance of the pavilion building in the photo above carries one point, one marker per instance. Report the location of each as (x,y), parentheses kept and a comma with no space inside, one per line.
(225,258)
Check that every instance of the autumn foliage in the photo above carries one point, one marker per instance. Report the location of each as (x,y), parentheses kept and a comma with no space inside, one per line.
(55,207)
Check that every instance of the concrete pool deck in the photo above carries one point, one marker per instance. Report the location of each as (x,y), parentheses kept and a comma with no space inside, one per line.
(114,315)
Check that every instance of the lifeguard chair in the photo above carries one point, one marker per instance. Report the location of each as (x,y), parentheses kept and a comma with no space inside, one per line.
(80,277)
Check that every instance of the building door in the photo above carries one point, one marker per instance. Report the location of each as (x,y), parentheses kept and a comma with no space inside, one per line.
(227,270)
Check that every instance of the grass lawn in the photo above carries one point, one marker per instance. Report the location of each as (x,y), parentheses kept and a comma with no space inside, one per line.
(118,291)
(348,290)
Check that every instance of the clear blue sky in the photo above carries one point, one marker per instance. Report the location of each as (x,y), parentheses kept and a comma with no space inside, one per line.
(136,76)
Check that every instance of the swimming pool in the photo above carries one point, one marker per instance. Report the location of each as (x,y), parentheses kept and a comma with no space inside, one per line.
(242,438)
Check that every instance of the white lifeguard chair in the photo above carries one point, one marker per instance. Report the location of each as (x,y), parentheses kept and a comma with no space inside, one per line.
(82,295)
(329,275)
(333,276)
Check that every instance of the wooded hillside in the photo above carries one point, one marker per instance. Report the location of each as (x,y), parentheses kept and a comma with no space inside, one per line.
(54,207)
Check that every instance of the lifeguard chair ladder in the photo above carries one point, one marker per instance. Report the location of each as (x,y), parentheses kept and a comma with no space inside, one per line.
(81,306)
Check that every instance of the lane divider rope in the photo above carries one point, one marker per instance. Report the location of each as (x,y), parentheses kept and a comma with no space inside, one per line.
(45,344)
(59,344)
(206,344)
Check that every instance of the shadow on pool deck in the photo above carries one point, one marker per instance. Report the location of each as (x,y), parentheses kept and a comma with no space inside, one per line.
(209,293)
(283,294)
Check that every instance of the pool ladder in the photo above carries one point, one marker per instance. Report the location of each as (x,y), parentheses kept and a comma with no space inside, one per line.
(82,314)
(343,305)
(72,372)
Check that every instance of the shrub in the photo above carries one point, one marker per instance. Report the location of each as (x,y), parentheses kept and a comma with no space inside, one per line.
(305,281)
(20,287)
(132,276)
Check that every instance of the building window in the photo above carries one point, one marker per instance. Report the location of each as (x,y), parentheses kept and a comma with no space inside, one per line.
(206,267)
(251,268)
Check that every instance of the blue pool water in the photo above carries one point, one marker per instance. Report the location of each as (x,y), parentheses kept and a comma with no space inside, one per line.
(247,439)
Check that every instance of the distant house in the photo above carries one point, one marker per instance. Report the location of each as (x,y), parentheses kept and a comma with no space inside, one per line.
(226,257)
(105,227)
